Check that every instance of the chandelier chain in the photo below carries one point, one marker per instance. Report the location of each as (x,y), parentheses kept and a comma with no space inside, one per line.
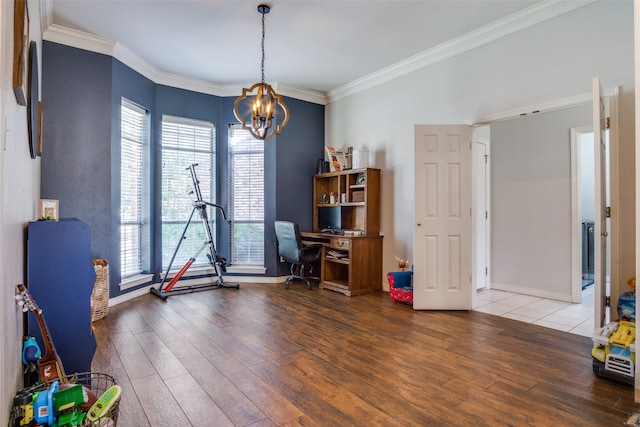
(262,63)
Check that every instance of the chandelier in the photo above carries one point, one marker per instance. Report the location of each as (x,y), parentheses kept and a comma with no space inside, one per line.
(260,103)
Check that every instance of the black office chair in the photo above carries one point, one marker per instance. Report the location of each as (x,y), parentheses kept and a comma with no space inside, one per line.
(292,250)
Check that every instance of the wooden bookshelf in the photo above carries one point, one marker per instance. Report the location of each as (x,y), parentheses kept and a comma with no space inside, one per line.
(352,259)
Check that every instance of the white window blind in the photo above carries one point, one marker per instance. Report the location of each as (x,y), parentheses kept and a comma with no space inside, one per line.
(185,142)
(246,197)
(134,136)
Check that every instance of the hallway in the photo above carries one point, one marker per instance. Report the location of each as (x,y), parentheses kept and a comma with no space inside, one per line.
(560,315)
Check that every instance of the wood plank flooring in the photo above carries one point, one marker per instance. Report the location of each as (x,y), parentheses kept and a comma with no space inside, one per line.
(266,356)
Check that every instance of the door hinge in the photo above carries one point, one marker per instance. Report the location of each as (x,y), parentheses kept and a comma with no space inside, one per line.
(486,215)
(607,301)
(607,123)
(486,271)
(608,211)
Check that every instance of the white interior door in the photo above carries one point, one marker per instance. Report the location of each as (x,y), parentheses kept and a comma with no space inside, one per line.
(600,217)
(442,229)
(480,215)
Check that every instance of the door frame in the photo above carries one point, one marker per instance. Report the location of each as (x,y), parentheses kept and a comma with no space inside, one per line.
(576,211)
(481,173)
(612,96)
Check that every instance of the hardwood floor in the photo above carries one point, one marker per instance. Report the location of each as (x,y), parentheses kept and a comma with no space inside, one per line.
(265,356)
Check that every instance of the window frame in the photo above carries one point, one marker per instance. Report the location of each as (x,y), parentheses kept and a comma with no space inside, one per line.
(181,144)
(138,215)
(245,216)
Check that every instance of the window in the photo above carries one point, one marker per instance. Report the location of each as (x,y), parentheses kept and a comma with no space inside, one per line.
(246,198)
(134,178)
(186,142)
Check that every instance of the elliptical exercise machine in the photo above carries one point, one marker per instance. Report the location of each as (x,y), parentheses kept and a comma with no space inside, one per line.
(218,263)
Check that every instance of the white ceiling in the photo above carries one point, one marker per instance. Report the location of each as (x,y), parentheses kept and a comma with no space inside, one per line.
(314,45)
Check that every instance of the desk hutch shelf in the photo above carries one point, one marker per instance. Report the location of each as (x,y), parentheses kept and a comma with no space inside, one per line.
(351,262)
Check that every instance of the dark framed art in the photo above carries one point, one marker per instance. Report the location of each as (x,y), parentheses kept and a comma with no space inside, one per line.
(33,119)
(20,50)
(40,113)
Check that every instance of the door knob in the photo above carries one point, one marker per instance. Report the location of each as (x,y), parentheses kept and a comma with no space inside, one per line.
(419,224)
(605,234)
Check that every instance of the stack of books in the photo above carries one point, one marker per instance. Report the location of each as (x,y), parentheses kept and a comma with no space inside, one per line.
(337,255)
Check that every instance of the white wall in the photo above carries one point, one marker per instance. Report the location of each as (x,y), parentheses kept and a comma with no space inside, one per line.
(531,202)
(552,60)
(19,179)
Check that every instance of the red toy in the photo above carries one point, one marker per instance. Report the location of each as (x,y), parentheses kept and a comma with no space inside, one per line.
(401,286)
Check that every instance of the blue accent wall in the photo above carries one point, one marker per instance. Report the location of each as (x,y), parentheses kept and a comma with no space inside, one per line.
(82,93)
(76,146)
(294,156)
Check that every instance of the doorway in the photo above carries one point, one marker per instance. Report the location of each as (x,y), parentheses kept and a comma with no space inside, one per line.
(583,191)
(568,296)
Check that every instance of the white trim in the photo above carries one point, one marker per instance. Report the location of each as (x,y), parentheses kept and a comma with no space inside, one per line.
(186,121)
(46,14)
(129,296)
(576,212)
(81,40)
(132,282)
(246,269)
(531,291)
(78,39)
(544,107)
(539,12)
(522,19)
(615,282)
(204,280)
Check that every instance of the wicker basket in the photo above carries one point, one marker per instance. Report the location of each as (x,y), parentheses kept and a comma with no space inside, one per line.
(97,383)
(100,293)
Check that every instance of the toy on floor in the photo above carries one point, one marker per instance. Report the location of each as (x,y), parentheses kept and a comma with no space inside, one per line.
(43,409)
(23,409)
(627,302)
(30,354)
(401,286)
(104,403)
(403,264)
(614,351)
(56,406)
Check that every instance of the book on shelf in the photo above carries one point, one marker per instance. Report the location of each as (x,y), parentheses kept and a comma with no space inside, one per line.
(337,254)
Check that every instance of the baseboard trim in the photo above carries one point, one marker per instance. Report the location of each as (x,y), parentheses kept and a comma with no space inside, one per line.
(198,281)
(531,291)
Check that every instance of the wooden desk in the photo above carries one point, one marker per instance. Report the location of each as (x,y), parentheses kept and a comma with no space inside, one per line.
(351,265)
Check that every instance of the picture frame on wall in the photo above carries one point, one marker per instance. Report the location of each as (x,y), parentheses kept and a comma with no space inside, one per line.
(40,118)
(20,50)
(33,113)
(48,210)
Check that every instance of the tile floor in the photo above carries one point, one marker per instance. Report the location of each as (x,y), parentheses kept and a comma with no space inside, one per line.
(564,316)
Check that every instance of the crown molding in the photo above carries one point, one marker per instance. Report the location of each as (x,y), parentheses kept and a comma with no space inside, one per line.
(78,39)
(522,19)
(544,107)
(46,15)
(301,93)
(525,18)
(81,40)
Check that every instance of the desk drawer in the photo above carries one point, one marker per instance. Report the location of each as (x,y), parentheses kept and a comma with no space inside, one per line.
(340,244)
